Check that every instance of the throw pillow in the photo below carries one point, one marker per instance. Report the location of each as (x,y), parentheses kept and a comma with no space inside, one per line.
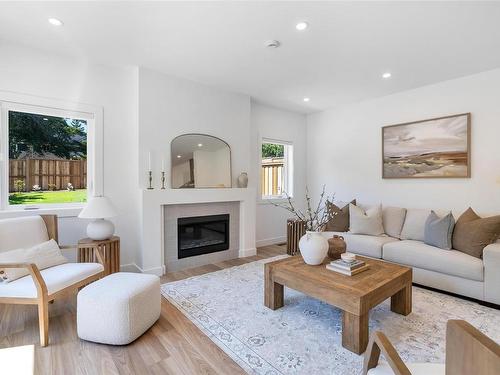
(393,219)
(44,255)
(340,217)
(438,231)
(473,233)
(366,222)
(414,226)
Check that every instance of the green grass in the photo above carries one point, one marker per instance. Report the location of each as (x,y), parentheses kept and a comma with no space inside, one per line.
(40,197)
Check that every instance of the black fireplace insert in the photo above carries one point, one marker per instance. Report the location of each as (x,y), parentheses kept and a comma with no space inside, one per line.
(202,235)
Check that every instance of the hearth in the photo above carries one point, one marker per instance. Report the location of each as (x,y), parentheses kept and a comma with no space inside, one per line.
(202,235)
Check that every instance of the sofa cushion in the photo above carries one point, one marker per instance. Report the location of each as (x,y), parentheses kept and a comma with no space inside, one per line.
(421,255)
(365,222)
(361,244)
(340,217)
(473,233)
(44,255)
(393,219)
(22,232)
(438,230)
(56,278)
(414,226)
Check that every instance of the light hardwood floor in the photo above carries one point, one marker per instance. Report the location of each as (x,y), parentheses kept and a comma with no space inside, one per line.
(173,345)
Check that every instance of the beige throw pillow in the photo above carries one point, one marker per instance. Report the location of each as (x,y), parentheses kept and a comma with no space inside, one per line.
(414,226)
(393,219)
(44,255)
(366,222)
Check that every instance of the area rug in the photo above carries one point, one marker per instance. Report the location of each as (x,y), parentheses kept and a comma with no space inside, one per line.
(304,336)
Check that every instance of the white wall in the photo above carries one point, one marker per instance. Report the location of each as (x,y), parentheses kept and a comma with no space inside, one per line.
(170,106)
(344,146)
(28,71)
(273,123)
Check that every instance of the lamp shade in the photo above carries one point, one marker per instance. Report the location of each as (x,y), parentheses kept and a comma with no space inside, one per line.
(98,208)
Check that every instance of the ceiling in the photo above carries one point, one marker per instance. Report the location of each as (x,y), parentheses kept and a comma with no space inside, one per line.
(338,60)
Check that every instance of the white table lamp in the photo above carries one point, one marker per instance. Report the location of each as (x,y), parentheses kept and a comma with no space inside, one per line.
(99,208)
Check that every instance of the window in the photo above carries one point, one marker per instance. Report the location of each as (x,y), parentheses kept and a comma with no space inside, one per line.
(276,169)
(51,156)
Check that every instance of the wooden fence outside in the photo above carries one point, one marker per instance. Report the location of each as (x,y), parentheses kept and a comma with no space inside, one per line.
(48,174)
(272,177)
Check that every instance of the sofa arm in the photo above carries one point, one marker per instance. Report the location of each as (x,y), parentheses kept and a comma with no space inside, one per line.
(491,260)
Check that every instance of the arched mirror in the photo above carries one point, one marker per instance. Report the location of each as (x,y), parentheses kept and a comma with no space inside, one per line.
(200,161)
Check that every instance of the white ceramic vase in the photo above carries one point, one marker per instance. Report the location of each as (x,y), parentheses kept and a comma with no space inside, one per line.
(242,180)
(313,247)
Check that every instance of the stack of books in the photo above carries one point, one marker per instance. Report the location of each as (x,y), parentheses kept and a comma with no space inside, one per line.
(347,268)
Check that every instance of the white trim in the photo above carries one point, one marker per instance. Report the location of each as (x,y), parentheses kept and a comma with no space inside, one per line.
(270,241)
(60,212)
(53,107)
(158,271)
(130,267)
(243,253)
(276,141)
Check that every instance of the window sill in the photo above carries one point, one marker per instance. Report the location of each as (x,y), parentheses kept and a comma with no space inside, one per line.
(71,211)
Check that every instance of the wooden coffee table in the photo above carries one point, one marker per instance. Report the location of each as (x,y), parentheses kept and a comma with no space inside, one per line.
(354,295)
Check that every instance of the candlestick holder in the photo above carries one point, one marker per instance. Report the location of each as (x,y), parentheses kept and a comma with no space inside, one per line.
(163,180)
(150,178)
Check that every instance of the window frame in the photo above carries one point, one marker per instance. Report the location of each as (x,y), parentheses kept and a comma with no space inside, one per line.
(51,107)
(288,169)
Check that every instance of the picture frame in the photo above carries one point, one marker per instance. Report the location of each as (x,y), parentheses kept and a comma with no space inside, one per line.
(433,148)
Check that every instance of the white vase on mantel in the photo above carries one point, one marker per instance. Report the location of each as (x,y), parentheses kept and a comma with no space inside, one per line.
(242,180)
(313,248)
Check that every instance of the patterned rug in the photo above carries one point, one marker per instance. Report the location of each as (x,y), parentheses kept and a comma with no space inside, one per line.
(304,336)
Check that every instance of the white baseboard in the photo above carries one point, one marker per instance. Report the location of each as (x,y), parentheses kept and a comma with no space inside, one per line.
(247,252)
(131,267)
(158,271)
(270,241)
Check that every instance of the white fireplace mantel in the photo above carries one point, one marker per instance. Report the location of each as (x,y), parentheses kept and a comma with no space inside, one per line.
(152,243)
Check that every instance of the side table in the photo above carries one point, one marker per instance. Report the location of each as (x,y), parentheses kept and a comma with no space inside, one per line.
(109,250)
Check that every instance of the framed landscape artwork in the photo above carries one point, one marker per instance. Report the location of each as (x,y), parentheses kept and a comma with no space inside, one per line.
(434,148)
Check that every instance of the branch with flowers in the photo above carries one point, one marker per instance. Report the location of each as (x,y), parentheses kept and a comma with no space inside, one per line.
(314,220)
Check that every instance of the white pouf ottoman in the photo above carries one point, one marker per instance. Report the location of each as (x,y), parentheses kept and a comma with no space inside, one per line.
(118,308)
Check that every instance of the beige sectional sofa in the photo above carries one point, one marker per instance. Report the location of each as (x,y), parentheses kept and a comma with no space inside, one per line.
(449,270)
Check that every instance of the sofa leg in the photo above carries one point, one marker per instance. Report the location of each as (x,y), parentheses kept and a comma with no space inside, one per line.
(43,321)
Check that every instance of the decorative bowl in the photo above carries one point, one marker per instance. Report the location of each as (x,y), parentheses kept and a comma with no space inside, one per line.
(348,257)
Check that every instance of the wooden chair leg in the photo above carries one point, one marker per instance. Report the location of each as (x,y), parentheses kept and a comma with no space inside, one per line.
(380,344)
(43,321)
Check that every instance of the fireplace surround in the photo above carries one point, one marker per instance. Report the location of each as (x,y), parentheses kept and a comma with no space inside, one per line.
(161,208)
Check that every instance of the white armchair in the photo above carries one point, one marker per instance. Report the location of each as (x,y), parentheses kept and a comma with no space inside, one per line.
(41,286)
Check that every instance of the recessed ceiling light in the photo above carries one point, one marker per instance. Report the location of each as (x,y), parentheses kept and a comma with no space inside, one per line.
(55,22)
(386,75)
(179,156)
(306,99)
(200,144)
(301,25)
